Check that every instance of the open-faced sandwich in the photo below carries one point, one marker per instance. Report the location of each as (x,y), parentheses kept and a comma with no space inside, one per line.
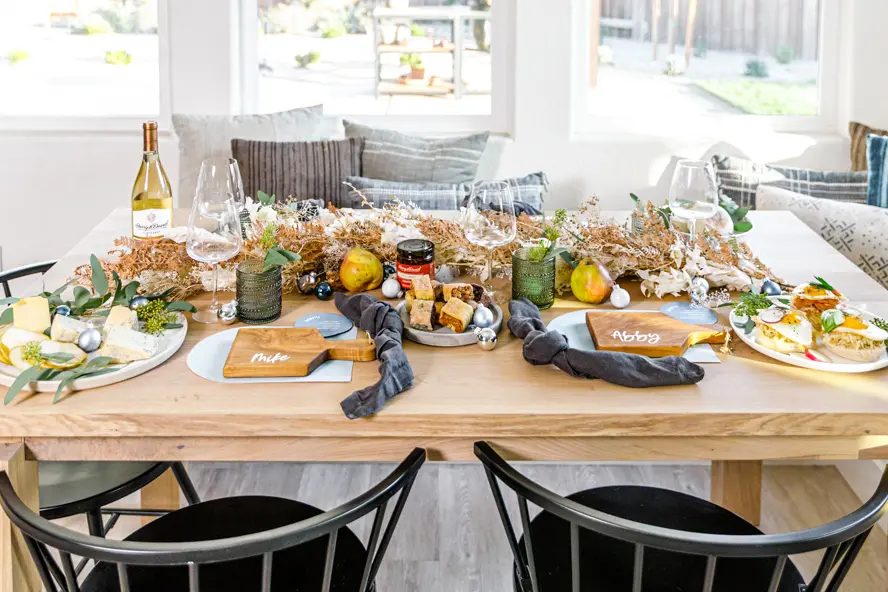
(814,298)
(849,335)
(432,304)
(784,331)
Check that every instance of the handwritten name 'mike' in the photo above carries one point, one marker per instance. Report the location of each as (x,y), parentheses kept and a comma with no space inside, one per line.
(266,359)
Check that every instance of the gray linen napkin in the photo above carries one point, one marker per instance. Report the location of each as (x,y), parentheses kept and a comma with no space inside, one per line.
(542,347)
(385,326)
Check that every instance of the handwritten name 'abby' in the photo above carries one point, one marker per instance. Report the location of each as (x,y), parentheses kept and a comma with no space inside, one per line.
(636,337)
(266,359)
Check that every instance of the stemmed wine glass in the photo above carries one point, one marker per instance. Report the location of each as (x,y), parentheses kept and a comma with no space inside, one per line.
(214,235)
(693,195)
(489,221)
(221,174)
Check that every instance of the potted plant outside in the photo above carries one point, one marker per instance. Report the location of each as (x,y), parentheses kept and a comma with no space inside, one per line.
(417,71)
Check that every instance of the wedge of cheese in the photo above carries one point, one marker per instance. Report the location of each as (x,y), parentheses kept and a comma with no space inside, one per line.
(124,345)
(31,314)
(65,329)
(121,316)
(15,337)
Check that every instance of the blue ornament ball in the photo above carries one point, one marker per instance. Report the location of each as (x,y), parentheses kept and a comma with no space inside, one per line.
(388,268)
(62,309)
(771,288)
(138,302)
(323,291)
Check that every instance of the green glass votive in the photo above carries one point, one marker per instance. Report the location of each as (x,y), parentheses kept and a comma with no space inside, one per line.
(259,293)
(534,280)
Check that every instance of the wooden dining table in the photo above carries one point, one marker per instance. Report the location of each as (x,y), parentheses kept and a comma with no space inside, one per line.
(747,409)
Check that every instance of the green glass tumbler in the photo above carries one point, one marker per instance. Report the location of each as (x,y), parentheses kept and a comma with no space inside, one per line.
(259,292)
(534,280)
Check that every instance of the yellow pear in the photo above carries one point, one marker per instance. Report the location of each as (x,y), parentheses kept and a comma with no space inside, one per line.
(590,282)
(361,270)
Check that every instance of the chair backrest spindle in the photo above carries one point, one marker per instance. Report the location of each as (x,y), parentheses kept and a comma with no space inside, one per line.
(68,569)
(575,557)
(375,530)
(826,564)
(638,568)
(507,522)
(709,577)
(266,571)
(328,562)
(123,577)
(778,574)
(528,542)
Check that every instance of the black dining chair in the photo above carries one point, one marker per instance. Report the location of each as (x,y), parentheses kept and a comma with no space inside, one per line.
(630,538)
(243,544)
(69,488)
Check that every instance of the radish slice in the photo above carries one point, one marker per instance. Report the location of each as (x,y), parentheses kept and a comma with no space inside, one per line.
(816,357)
(772,315)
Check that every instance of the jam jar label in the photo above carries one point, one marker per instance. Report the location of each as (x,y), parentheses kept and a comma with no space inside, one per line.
(406,273)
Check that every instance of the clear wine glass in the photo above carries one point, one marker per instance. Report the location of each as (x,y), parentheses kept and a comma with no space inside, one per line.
(214,235)
(221,174)
(489,221)
(693,195)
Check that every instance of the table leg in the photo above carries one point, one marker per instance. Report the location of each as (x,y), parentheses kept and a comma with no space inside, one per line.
(18,573)
(737,486)
(160,494)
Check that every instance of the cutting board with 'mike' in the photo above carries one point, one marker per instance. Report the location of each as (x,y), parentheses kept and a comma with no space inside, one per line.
(651,334)
(285,351)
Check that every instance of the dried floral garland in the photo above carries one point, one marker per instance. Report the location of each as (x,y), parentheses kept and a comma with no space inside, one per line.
(655,253)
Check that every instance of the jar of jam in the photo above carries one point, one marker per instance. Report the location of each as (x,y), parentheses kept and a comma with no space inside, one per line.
(416,257)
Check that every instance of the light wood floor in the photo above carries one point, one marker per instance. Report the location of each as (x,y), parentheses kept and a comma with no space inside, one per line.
(450,538)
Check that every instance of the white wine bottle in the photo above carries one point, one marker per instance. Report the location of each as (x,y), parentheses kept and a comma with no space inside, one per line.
(152,195)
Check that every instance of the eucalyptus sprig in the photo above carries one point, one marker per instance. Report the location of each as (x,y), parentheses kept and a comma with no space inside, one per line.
(551,233)
(96,367)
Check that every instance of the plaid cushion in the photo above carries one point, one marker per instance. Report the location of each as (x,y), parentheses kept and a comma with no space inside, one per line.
(877,157)
(428,196)
(530,189)
(739,179)
(859,134)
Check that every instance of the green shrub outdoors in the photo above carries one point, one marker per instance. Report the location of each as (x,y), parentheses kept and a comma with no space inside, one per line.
(785,54)
(764,97)
(17,55)
(306,59)
(416,30)
(756,68)
(675,65)
(333,30)
(411,59)
(96,25)
(605,55)
(118,57)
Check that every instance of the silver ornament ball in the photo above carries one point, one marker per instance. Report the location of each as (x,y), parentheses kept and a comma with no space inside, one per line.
(89,340)
(486,338)
(307,283)
(138,302)
(699,286)
(619,297)
(391,288)
(771,288)
(228,313)
(483,317)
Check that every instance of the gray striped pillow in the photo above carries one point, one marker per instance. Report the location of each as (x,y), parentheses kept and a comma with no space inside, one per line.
(299,170)
(393,156)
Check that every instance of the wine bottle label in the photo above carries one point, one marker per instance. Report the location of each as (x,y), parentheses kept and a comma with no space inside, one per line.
(151,223)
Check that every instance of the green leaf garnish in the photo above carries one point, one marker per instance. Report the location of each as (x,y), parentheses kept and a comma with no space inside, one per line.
(6,316)
(59,357)
(58,291)
(10,300)
(173,326)
(830,319)
(265,199)
(130,290)
(21,381)
(278,256)
(568,258)
(99,279)
(180,305)
(748,326)
(822,284)
(742,226)
(81,295)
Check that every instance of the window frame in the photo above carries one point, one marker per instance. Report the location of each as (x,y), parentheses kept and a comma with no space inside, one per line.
(501,117)
(585,125)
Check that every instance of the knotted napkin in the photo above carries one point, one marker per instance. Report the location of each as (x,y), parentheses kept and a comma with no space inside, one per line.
(384,325)
(542,347)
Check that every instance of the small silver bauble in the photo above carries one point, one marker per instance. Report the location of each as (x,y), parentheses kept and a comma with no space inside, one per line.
(486,338)
(391,288)
(138,302)
(89,340)
(228,313)
(699,290)
(619,297)
(771,288)
(444,274)
(307,283)
(483,317)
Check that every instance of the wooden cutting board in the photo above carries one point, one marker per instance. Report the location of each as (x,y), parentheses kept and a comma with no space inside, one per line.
(286,351)
(653,334)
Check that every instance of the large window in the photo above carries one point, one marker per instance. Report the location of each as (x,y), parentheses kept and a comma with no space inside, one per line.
(376,57)
(683,60)
(78,58)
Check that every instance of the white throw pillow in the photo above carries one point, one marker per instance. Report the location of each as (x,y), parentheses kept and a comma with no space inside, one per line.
(206,136)
(858,231)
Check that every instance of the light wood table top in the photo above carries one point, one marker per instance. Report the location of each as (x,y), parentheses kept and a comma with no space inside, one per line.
(463,394)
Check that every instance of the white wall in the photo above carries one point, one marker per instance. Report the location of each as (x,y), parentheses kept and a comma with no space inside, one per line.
(55,186)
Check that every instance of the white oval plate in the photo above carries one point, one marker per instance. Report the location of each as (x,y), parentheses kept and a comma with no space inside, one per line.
(170,343)
(444,336)
(839,364)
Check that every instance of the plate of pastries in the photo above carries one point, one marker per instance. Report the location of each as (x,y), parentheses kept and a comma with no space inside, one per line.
(816,327)
(444,315)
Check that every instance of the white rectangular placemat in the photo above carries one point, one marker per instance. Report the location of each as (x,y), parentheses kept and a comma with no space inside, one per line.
(207,359)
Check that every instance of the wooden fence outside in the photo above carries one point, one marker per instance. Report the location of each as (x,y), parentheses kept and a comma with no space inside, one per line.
(746,26)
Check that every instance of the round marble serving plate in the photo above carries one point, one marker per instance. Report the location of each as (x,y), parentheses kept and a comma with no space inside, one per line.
(444,336)
(838,364)
(170,343)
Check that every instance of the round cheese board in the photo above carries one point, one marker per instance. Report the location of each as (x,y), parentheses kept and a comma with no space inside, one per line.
(445,336)
(168,344)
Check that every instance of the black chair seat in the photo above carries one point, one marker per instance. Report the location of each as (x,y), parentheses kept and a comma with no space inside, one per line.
(68,488)
(298,569)
(606,563)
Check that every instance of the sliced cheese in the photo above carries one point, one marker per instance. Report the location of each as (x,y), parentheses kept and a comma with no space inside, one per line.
(31,314)
(124,345)
(121,316)
(15,337)
(66,329)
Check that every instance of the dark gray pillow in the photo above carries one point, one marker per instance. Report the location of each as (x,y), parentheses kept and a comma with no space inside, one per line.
(428,196)
(739,178)
(299,170)
(393,156)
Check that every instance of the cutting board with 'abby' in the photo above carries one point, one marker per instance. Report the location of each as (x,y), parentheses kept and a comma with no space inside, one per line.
(649,333)
(287,351)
